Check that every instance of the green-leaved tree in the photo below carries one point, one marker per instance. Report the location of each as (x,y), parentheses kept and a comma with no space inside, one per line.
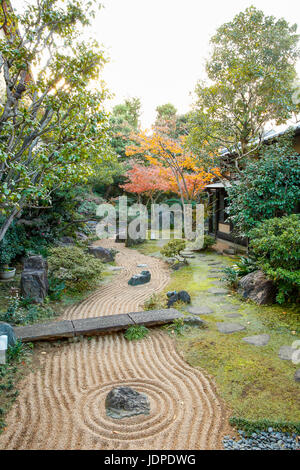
(251,75)
(53,128)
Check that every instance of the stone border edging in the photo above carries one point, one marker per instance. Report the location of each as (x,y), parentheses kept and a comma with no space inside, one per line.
(94,326)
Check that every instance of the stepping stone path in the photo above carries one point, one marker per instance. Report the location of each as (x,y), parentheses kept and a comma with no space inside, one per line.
(200,310)
(233,315)
(218,291)
(297,376)
(257,340)
(286,353)
(226,327)
(193,321)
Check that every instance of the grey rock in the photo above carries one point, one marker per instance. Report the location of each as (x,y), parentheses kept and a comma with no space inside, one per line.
(35,262)
(257,287)
(170,293)
(124,402)
(139,279)
(187,255)
(257,340)
(233,315)
(216,291)
(286,353)
(175,296)
(178,265)
(142,265)
(105,255)
(34,279)
(81,236)
(200,310)
(226,327)
(7,329)
(66,241)
(297,376)
(193,321)
(184,296)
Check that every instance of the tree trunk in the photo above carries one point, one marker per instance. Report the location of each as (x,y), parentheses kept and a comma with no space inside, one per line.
(7,223)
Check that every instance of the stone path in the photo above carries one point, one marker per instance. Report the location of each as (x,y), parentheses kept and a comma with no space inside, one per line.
(94,326)
(62,404)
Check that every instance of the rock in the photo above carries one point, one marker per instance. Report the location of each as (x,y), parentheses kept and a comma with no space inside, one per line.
(172,299)
(176,296)
(257,287)
(187,255)
(286,353)
(200,310)
(104,254)
(123,402)
(66,241)
(184,296)
(170,293)
(215,291)
(297,376)
(226,327)
(81,236)
(34,279)
(142,265)
(35,262)
(139,279)
(7,329)
(194,321)
(257,340)
(178,265)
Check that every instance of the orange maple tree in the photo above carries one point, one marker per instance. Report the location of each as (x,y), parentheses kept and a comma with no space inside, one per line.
(147,180)
(176,164)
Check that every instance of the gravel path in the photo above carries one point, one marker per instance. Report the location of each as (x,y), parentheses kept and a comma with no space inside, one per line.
(61,405)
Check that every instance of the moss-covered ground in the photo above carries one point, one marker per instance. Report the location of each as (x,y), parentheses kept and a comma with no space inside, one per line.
(255,383)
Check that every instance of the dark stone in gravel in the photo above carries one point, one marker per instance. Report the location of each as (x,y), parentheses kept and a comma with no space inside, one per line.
(7,329)
(123,402)
(226,327)
(184,296)
(139,279)
(257,340)
(104,254)
(175,296)
(200,310)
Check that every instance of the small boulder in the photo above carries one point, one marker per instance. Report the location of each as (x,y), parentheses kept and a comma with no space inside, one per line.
(104,254)
(257,287)
(124,402)
(34,279)
(297,376)
(257,340)
(138,279)
(193,320)
(66,241)
(7,329)
(286,353)
(184,296)
(200,310)
(227,328)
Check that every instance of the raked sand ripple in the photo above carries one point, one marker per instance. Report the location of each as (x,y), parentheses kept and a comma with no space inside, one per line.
(61,405)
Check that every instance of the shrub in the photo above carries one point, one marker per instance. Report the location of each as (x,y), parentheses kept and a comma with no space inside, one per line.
(22,312)
(173,248)
(78,269)
(267,188)
(12,244)
(155,302)
(136,332)
(208,242)
(276,245)
(56,288)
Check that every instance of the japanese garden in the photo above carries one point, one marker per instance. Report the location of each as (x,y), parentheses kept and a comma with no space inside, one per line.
(149,275)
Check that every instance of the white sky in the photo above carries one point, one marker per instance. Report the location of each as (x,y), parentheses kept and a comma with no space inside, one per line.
(158,47)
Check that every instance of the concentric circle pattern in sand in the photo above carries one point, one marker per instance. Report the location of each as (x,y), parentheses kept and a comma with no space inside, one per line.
(61,405)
